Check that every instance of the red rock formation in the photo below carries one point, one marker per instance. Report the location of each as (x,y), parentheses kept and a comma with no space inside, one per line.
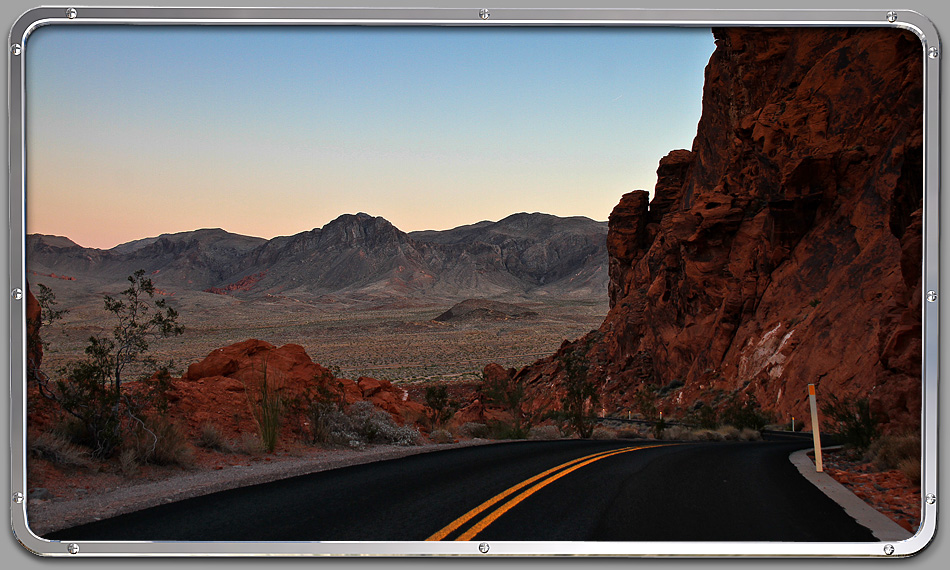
(222,388)
(785,248)
(244,284)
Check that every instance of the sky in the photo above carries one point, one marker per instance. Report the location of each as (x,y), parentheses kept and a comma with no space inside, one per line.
(135,131)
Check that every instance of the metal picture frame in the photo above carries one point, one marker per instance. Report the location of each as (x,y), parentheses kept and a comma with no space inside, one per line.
(18,49)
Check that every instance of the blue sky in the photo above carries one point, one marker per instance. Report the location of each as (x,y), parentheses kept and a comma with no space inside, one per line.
(137,131)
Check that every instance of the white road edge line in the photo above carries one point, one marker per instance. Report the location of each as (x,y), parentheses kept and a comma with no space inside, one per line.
(883,528)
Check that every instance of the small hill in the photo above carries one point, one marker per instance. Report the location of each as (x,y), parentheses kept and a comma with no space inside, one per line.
(484,310)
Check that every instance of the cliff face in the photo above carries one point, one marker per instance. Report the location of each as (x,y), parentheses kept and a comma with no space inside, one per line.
(783,249)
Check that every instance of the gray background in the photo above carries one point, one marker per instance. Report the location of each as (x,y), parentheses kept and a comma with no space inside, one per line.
(936,555)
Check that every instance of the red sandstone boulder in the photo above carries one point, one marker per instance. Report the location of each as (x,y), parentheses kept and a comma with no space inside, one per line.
(224,388)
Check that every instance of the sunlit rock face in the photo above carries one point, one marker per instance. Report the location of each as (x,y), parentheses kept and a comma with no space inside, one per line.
(783,249)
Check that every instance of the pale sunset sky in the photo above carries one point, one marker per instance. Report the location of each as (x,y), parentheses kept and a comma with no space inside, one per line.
(135,131)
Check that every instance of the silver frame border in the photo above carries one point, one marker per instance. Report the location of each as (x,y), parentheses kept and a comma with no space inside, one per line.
(906,19)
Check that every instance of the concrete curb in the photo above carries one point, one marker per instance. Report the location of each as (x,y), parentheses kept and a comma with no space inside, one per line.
(883,528)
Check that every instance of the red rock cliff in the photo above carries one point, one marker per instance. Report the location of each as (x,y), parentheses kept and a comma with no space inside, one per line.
(783,249)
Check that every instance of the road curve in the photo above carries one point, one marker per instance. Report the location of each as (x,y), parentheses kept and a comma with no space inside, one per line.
(613,490)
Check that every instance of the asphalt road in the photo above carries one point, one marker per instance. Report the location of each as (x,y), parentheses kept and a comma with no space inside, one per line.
(625,490)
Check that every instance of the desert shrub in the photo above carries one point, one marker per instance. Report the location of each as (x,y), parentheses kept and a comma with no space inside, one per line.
(160,441)
(129,461)
(440,409)
(57,448)
(674,433)
(887,452)
(377,426)
(474,430)
(249,444)
(544,432)
(504,430)
(212,438)
(745,413)
(748,434)
(601,432)
(509,392)
(910,467)
(629,433)
(704,416)
(580,393)
(360,424)
(706,435)
(90,390)
(329,425)
(852,422)
(728,432)
(441,436)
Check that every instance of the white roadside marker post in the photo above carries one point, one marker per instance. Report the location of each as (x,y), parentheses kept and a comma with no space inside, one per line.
(814,427)
(793,423)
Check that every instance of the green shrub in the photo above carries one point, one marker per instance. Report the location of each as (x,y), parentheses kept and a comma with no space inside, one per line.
(440,408)
(580,393)
(504,430)
(852,421)
(745,413)
(704,416)
(90,390)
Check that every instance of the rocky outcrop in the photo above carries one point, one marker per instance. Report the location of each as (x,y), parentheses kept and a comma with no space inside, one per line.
(222,389)
(784,249)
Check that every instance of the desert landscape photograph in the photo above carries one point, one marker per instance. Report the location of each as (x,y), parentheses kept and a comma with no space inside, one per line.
(454,284)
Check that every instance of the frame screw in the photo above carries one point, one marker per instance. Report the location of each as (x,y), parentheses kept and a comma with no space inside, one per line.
(483,548)
(484,14)
(73,548)
(933,52)
(17,294)
(15,49)
(892,17)
(71,14)
(932,296)
(888,549)
(931,498)
(18,497)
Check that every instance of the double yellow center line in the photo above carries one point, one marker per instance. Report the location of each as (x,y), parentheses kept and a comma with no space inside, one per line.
(534,484)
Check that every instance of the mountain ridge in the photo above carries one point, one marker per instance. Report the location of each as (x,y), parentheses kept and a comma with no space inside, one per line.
(356,255)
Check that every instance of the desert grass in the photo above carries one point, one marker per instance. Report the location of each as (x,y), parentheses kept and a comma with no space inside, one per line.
(58,449)
(897,451)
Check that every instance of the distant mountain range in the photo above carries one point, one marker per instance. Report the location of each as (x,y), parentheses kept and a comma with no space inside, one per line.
(355,256)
